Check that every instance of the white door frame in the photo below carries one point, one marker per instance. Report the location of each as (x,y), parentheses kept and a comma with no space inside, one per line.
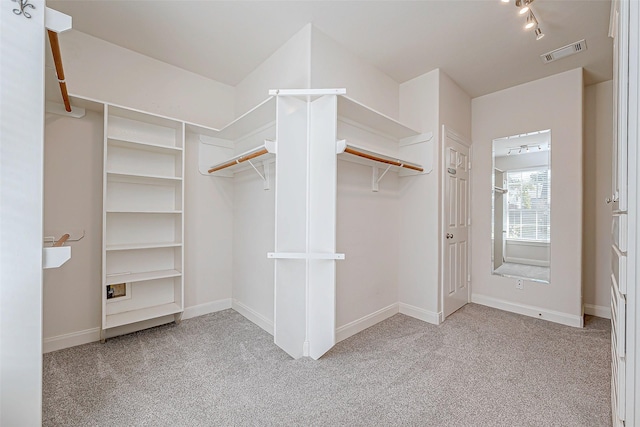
(442,227)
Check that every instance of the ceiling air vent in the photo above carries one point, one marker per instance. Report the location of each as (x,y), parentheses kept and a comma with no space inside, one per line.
(567,50)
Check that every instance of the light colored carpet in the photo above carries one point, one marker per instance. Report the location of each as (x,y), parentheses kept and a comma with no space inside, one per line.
(523,271)
(481,367)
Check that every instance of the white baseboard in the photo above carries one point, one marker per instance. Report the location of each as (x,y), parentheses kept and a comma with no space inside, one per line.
(598,311)
(206,308)
(531,311)
(253,316)
(73,339)
(359,325)
(70,340)
(421,314)
(527,261)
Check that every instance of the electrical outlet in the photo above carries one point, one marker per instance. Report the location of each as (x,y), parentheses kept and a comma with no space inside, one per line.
(520,284)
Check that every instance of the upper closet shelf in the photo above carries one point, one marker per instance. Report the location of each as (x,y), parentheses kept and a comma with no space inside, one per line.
(258,117)
(353,112)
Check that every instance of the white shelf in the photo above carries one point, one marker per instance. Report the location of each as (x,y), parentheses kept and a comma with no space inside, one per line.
(360,115)
(138,277)
(140,178)
(129,247)
(139,315)
(54,257)
(142,145)
(256,118)
(142,211)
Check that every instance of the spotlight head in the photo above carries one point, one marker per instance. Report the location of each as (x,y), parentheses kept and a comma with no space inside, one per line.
(523,5)
(539,34)
(531,21)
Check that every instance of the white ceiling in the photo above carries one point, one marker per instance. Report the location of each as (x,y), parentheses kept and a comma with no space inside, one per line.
(481,44)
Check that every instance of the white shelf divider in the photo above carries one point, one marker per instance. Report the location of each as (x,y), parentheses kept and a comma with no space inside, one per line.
(139,277)
(128,317)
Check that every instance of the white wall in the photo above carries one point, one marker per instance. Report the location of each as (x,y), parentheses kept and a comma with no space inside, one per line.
(598,130)
(287,68)
(208,221)
(253,236)
(426,103)
(21,158)
(73,202)
(367,233)
(418,255)
(103,71)
(454,107)
(333,66)
(551,103)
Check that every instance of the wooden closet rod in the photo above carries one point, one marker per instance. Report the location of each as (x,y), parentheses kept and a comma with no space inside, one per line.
(239,160)
(57,59)
(381,160)
(61,240)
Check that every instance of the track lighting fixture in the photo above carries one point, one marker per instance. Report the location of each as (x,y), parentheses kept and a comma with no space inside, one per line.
(524,6)
(523,149)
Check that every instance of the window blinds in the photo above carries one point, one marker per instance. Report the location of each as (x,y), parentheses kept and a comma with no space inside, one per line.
(528,210)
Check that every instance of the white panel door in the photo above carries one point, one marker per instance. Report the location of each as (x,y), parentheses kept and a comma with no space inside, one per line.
(455,220)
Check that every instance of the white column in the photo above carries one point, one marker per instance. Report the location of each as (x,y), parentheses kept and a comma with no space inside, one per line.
(305,278)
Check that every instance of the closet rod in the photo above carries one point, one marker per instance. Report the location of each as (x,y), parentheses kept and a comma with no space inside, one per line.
(61,240)
(57,59)
(381,160)
(239,160)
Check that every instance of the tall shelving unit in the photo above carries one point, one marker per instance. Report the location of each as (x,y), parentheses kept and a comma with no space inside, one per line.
(143,226)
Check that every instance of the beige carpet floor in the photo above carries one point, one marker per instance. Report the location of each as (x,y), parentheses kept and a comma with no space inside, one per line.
(481,367)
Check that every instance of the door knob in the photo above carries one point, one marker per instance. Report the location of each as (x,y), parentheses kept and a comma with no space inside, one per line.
(608,200)
(449,236)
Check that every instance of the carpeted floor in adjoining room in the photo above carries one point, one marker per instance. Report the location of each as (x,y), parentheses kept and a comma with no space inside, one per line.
(481,367)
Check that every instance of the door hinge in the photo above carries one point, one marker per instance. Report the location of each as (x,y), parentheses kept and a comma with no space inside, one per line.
(469,165)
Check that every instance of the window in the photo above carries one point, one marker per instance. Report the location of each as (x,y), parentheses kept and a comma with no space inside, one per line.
(528,209)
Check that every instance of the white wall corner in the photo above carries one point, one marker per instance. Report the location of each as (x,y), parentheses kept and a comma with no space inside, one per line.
(435,318)
(350,329)
(287,68)
(253,316)
(597,310)
(206,308)
(531,311)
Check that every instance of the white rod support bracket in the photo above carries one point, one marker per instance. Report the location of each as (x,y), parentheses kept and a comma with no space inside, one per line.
(374,178)
(255,169)
(271,146)
(341,145)
(266,167)
(384,173)
(56,21)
